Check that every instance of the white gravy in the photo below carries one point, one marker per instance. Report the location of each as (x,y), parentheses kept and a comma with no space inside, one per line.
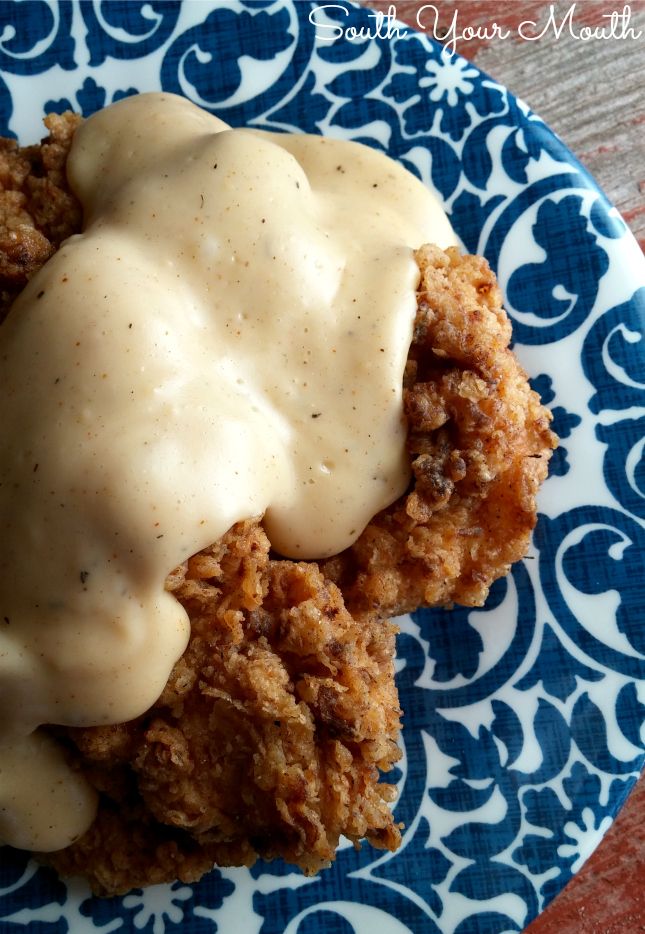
(225,339)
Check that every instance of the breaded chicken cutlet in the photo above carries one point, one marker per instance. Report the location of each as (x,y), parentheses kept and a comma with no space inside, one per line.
(270,734)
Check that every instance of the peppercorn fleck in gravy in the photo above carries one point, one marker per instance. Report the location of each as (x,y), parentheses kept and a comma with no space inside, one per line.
(226,339)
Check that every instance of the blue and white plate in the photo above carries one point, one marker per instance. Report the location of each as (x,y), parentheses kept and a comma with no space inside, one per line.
(523,720)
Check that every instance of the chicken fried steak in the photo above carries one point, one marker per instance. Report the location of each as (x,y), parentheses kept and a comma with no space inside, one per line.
(270,734)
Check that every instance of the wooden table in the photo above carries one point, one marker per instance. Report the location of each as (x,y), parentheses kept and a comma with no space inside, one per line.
(593,95)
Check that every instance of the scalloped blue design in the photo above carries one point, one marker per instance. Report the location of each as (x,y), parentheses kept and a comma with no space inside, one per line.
(147,27)
(523,719)
(564,422)
(35,36)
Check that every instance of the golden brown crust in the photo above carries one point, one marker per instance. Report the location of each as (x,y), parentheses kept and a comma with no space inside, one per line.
(37,209)
(480,442)
(267,740)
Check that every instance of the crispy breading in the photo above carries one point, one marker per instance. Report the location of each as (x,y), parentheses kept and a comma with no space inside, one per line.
(267,740)
(479,442)
(270,734)
(37,209)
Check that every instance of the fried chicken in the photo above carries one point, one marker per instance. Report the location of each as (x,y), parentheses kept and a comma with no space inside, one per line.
(270,734)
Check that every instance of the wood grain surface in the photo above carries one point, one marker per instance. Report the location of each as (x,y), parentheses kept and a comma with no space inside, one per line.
(592,94)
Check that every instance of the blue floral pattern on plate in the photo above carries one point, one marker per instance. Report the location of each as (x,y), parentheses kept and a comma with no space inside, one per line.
(523,719)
